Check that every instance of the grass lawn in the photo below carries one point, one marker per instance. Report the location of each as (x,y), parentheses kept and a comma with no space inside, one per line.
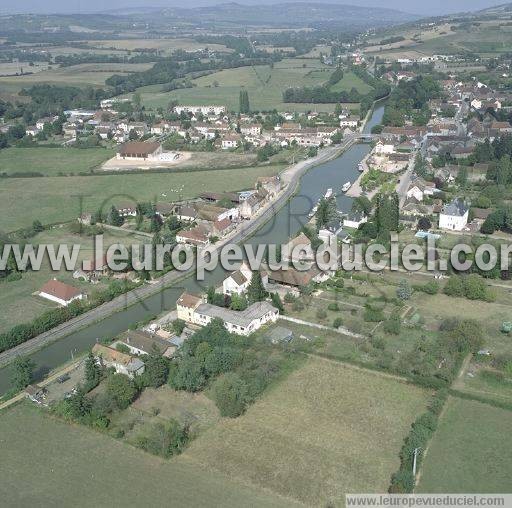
(471,450)
(264,84)
(80,467)
(349,81)
(52,161)
(324,431)
(57,199)
(17,301)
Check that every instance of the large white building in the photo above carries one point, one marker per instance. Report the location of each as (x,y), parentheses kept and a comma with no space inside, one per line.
(454,216)
(192,309)
(211,110)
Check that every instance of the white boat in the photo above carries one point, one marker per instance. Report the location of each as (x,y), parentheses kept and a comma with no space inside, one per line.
(313,211)
(346,187)
(328,194)
(360,167)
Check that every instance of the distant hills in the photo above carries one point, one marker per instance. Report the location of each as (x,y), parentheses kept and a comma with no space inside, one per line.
(498,9)
(294,14)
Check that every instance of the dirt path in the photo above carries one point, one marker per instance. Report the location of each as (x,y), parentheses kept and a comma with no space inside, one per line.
(379,373)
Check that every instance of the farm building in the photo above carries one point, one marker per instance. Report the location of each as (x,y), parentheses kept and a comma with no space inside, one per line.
(60,293)
(139,150)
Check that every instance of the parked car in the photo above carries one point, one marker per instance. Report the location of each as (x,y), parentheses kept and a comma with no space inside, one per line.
(63,378)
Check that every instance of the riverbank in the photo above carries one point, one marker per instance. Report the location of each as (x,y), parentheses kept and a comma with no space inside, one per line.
(356,189)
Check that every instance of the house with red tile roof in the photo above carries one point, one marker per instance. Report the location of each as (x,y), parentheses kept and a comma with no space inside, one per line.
(60,293)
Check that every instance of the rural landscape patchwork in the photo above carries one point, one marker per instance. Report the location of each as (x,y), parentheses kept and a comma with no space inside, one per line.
(255,254)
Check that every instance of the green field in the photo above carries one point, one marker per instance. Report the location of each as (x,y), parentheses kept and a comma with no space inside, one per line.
(52,161)
(349,81)
(471,450)
(57,199)
(478,378)
(264,84)
(46,462)
(324,431)
(76,75)
(17,301)
(488,38)
(162,45)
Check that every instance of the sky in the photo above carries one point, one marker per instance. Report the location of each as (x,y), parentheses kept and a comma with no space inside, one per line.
(426,8)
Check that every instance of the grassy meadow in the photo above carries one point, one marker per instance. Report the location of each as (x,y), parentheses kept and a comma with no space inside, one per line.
(57,199)
(264,84)
(471,450)
(84,468)
(52,161)
(324,431)
(349,81)
(89,74)
(162,45)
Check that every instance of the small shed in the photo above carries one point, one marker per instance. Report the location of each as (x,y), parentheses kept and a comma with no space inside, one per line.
(36,393)
(279,335)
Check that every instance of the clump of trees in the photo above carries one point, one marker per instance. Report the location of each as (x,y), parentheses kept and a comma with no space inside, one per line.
(471,286)
(410,100)
(229,391)
(164,439)
(236,369)
(244,105)
(22,372)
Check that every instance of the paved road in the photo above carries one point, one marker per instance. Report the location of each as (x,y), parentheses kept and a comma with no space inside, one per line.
(405,181)
(290,177)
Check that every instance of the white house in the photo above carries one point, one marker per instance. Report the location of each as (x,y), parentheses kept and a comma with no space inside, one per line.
(382,149)
(253,129)
(354,220)
(415,192)
(351,122)
(32,130)
(60,293)
(142,343)
(454,216)
(230,141)
(238,282)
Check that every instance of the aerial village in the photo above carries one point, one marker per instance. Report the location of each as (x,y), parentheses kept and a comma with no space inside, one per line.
(420,164)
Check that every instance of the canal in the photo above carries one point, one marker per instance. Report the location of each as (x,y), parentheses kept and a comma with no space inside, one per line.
(285,224)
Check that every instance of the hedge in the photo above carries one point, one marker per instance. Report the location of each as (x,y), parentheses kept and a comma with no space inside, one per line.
(422,430)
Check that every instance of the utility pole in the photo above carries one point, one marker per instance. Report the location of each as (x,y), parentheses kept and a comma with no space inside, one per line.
(415,459)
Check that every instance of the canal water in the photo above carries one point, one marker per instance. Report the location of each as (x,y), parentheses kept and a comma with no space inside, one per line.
(285,224)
